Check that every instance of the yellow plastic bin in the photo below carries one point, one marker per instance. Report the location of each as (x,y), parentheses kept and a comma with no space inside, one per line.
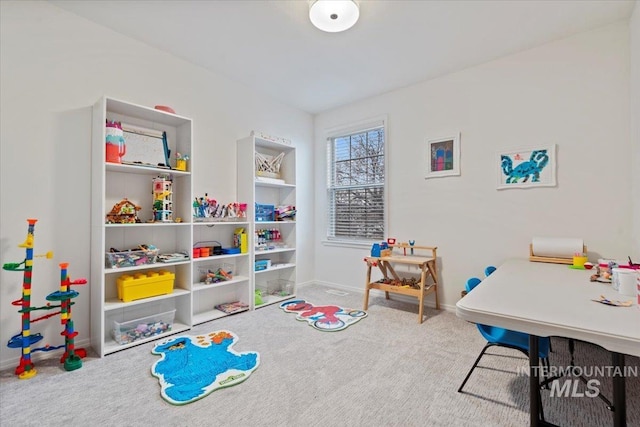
(145,285)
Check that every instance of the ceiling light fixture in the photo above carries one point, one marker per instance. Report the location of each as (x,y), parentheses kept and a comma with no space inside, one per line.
(334,16)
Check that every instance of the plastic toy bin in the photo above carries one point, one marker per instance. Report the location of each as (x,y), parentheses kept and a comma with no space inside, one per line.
(215,273)
(279,287)
(265,212)
(144,285)
(144,327)
(130,258)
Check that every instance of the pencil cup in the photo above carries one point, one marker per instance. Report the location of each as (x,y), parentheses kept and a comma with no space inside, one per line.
(578,261)
(627,282)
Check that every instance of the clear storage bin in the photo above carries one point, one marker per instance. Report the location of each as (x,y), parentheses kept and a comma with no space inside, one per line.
(144,327)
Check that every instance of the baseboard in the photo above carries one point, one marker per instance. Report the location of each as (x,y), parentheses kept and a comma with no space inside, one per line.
(12,363)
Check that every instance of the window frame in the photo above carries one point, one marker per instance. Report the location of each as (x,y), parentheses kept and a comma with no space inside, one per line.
(350,129)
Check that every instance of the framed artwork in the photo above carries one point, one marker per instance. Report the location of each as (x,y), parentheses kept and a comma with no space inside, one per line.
(527,168)
(443,156)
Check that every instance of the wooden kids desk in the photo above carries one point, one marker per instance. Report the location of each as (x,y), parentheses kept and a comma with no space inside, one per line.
(392,282)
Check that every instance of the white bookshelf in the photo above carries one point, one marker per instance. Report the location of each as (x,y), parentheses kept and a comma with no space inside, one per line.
(276,191)
(111,182)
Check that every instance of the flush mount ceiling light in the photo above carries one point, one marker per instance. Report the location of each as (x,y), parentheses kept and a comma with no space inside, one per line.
(334,16)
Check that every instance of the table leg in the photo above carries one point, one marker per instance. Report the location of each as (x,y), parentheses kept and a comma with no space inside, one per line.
(619,392)
(366,291)
(431,266)
(423,279)
(534,382)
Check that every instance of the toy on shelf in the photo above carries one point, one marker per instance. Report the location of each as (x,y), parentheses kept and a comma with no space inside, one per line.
(162,199)
(123,212)
(24,339)
(206,209)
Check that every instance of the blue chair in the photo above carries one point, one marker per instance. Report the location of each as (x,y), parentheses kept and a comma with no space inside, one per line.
(490,269)
(504,338)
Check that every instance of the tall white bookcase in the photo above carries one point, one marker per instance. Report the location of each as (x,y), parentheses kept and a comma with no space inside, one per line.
(111,182)
(277,282)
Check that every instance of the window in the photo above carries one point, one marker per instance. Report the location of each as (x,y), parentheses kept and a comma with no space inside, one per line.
(356,184)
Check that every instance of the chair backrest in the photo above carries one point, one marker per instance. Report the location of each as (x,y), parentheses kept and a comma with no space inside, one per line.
(472,283)
(490,269)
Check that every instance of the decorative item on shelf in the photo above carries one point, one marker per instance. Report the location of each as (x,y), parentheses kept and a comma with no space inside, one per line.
(162,199)
(115,143)
(268,167)
(123,212)
(165,108)
(181,162)
(286,213)
(270,138)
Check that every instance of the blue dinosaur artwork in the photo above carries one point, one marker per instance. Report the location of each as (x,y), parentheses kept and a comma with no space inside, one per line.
(525,168)
(191,367)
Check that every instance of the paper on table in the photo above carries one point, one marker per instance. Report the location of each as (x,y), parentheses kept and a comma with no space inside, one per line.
(559,247)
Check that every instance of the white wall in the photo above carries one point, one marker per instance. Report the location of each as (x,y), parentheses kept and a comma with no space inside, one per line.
(573,93)
(634,25)
(54,66)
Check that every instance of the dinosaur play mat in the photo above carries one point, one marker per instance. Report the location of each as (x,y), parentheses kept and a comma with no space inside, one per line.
(323,317)
(191,367)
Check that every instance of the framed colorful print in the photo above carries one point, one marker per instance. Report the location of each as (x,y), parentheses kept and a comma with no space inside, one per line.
(443,156)
(527,168)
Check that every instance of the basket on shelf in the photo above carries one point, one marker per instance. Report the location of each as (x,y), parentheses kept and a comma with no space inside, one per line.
(131,258)
(268,166)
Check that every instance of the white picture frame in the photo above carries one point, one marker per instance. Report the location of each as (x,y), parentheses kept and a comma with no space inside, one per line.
(443,156)
(527,167)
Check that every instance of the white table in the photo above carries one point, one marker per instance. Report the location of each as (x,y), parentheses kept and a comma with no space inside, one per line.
(554,300)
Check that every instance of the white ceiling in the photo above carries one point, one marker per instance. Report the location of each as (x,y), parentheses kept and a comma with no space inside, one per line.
(271,46)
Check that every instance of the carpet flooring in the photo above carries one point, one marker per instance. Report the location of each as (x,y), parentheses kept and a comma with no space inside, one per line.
(386,370)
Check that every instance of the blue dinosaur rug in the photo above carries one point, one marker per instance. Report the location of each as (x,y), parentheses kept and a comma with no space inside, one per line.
(329,318)
(191,367)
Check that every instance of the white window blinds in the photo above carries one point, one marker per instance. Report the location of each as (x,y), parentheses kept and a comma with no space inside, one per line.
(356,183)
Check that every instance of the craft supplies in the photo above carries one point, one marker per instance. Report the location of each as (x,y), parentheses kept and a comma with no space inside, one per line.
(604,300)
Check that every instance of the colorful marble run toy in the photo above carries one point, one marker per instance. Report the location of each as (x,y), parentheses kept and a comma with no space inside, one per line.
(24,339)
